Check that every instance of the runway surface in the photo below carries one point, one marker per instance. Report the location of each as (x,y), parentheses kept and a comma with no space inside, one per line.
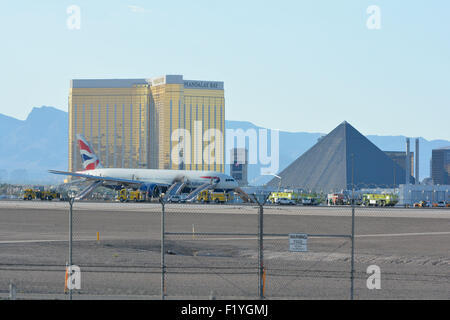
(214,251)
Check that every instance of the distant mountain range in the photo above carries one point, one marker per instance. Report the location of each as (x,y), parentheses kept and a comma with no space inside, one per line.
(28,148)
(294,144)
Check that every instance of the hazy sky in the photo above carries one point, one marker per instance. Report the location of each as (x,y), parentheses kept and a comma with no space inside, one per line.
(289,65)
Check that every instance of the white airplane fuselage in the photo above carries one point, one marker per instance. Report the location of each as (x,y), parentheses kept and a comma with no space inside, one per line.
(161,176)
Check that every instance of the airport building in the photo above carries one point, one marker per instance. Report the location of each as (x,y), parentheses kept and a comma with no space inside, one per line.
(410,194)
(159,123)
(440,166)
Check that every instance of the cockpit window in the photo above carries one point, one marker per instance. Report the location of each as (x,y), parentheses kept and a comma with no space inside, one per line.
(229,180)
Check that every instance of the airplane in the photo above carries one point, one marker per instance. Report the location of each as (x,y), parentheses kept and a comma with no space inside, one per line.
(151,181)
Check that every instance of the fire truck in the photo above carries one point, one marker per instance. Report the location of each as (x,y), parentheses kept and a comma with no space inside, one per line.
(125,195)
(207,196)
(274,196)
(336,199)
(379,200)
(31,194)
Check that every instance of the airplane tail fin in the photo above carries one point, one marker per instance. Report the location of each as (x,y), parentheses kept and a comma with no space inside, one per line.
(88,157)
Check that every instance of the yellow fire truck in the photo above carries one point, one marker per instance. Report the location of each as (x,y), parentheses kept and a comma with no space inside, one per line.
(207,196)
(297,197)
(30,194)
(379,200)
(124,195)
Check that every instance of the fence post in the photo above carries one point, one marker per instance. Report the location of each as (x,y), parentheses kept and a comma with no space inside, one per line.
(261,252)
(71,201)
(352,272)
(353,255)
(261,276)
(163,265)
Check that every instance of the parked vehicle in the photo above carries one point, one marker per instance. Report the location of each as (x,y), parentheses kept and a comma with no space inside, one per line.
(310,201)
(30,194)
(136,196)
(174,199)
(285,201)
(125,195)
(335,199)
(379,200)
(274,196)
(207,196)
(418,204)
(440,204)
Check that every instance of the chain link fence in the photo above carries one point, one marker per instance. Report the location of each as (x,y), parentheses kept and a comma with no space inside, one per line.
(324,269)
(210,251)
(220,251)
(409,248)
(244,252)
(118,253)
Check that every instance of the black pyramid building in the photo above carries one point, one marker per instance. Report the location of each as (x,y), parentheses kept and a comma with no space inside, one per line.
(327,166)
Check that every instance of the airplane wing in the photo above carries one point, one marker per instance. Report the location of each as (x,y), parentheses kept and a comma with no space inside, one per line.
(98,178)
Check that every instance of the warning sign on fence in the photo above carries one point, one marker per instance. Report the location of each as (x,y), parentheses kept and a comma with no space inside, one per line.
(298,242)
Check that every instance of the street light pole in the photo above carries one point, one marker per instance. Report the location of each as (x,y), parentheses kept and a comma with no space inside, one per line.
(276,176)
(279,184)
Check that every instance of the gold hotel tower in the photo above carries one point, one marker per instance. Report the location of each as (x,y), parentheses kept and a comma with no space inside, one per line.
(130,122)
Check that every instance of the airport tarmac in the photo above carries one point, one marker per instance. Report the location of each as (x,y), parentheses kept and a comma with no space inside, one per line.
(411,247)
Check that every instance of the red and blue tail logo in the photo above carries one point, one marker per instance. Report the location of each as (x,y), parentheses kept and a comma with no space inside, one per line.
(89,159)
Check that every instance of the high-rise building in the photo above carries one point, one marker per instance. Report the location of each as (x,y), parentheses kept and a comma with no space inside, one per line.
(159,123)
(440,166)
(239,165)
